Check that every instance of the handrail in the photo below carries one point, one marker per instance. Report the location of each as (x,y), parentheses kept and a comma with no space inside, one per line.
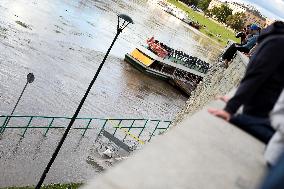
(137,124)
(82,118)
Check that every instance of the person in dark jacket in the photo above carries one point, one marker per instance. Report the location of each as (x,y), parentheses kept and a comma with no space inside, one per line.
(246,47)
(243,34)
(261,86)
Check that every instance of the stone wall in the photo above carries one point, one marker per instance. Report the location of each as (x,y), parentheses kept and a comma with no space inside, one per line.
(219,81)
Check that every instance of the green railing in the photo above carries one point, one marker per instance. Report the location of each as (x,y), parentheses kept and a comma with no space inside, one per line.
(140,130)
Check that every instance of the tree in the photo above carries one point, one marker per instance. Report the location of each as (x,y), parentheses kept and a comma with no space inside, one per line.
(195,2)
(236,21)
(190,2)
(221,13)
(208,13)
(203,4)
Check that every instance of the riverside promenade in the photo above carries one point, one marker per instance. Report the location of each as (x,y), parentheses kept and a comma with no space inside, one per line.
(201,152)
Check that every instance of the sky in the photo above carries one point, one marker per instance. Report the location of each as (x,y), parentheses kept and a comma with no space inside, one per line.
(270,8)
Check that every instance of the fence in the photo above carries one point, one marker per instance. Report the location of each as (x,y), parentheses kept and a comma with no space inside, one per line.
(140,130)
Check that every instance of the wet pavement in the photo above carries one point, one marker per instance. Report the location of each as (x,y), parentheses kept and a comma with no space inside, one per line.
(62,42)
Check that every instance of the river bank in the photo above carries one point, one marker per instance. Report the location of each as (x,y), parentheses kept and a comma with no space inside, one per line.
(213,29)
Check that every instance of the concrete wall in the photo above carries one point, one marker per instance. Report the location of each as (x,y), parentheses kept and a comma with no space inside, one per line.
(217,82)
(203,152)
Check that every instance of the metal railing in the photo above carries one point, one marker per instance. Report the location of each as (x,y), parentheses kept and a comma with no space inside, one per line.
(140,130)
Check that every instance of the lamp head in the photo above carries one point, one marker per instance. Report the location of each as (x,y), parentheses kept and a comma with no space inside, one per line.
(30,78)
(123,21)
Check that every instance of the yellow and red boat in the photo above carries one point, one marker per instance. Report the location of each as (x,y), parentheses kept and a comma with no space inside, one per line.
(147,62)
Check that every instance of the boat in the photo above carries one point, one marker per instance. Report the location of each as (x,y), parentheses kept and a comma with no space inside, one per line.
(146,64)
(183,86)
(195,25)
(167,64)
(176,56)
(163,4)
(174,11)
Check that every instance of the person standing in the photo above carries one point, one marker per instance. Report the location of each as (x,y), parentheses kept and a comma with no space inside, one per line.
(275,146)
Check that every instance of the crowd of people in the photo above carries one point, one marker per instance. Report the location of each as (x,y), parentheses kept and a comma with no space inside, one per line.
(164,51)
(248,37)
(261,95)
(189,77)
(157,48)
(190,61)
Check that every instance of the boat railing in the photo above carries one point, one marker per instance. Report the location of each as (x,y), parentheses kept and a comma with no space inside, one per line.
(165,52)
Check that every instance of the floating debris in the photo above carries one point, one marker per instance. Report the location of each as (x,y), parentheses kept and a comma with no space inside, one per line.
(23,24)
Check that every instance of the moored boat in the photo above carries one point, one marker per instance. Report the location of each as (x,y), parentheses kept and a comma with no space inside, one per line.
(168,65)
(146,64)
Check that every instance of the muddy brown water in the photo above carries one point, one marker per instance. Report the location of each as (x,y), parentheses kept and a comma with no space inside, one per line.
(62,42)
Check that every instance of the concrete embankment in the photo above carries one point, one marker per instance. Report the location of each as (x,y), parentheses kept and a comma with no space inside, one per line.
(217,82)
(203,151)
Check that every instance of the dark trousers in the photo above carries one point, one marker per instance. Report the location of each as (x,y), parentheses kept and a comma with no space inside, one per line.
(257,127)
(275,177)
(231,51)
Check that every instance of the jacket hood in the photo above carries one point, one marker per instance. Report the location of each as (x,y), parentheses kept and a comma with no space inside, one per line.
(277,28)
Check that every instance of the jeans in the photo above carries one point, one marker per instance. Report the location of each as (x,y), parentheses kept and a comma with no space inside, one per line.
(256,126)
(275,177)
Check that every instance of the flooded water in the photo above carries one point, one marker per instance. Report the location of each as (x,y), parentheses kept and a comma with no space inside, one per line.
(62,42)
(63,45)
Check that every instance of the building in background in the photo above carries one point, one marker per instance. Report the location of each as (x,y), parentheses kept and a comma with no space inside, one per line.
(214,3)
(269,21)
(252,15)
(254,18)
(236,7)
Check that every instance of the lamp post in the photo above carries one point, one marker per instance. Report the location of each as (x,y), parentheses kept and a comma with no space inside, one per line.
(123,22)
(30,79)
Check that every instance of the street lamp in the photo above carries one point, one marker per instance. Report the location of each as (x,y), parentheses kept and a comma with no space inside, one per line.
(30,79)
(123,22)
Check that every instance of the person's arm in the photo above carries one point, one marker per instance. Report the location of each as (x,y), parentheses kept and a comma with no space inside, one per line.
(250,42)
(252,51)
(262,65)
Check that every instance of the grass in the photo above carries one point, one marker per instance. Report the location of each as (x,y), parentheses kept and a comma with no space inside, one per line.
(212,29)
(51,186)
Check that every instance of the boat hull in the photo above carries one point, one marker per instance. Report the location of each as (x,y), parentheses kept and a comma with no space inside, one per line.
(182,86)
(141,67)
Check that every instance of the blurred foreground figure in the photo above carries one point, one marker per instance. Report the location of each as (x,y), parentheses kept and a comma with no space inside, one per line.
(275,146)
(261,86)
(275,177)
